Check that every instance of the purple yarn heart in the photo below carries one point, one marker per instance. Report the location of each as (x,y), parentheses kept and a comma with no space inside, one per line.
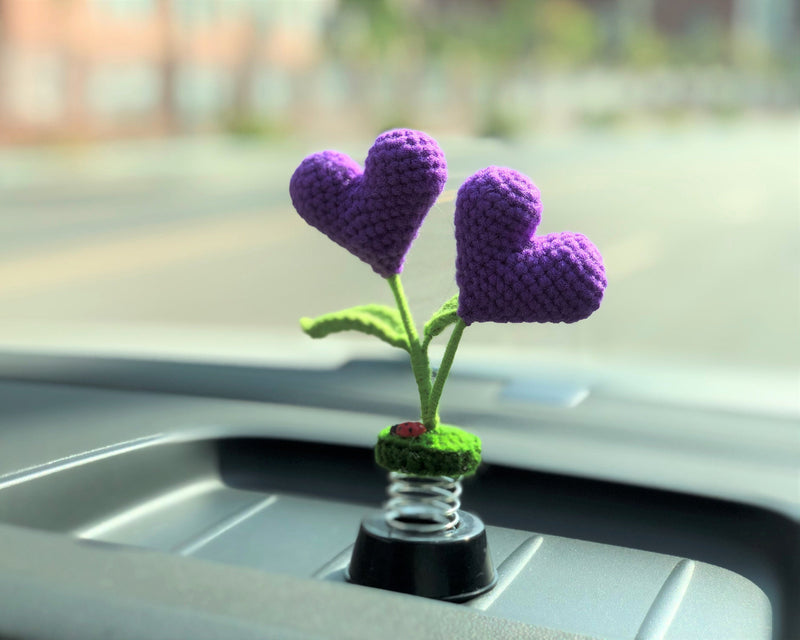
(507,274)
(375,213)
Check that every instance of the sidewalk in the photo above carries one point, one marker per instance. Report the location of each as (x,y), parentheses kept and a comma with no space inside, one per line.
(114,163)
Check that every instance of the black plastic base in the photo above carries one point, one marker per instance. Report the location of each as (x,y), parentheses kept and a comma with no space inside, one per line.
(453,566)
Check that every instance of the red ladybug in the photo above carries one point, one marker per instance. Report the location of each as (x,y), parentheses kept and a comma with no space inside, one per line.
(408,429)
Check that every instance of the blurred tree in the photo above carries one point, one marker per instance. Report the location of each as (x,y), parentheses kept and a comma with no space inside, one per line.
(247,64)
(73,54)
(645,47)
(368,29)
(168,108)
(704,43)
(504,42)
(378,43)
(568,33)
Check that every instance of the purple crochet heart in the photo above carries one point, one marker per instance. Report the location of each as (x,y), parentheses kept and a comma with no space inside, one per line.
(374,214)
(507,274)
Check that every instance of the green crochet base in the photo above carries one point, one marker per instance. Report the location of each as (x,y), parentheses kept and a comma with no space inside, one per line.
(445,451)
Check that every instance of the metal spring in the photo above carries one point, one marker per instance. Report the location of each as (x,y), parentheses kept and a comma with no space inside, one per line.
(422,504)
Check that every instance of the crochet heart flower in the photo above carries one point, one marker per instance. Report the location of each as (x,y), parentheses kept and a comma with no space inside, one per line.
(375,213)
(507,274)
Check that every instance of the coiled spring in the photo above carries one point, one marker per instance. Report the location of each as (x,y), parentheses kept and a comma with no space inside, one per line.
(422,504)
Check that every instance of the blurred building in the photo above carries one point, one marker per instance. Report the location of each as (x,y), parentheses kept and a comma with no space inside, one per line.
(86,68)
(769,23)
(94,67)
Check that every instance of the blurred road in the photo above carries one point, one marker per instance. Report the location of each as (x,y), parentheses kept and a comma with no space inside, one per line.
(698,226)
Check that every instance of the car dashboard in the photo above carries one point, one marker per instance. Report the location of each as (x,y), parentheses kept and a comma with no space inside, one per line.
(168,497)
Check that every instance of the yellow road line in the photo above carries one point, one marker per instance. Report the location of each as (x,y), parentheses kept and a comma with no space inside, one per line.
(447,196)
(123,254)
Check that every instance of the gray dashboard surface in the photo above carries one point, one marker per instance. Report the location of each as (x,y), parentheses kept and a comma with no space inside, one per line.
(166,495)
(201,481)
(524,417)
(54,588)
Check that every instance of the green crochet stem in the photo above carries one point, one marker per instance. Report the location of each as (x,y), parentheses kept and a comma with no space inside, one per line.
(420,364)
(430,393)
(444,371)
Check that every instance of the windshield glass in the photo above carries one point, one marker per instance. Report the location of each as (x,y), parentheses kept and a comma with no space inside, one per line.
(148,145)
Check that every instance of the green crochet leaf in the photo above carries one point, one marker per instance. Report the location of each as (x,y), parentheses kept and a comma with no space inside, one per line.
(443,318)
(373,319)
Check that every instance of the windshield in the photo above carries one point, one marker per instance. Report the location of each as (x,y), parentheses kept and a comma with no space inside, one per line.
(148,145)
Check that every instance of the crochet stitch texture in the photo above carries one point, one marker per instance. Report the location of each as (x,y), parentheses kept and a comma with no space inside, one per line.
(447,451)
(507,274)
(375,213)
